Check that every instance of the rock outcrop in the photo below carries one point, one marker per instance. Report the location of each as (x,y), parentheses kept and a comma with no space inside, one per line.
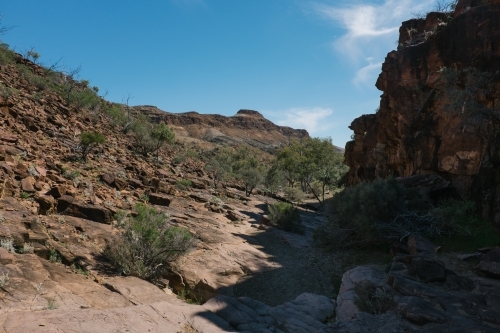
(418,129)
(418,294)
(247,126)
(40,296)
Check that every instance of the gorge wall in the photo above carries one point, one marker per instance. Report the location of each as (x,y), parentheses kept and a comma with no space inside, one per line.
(420,127)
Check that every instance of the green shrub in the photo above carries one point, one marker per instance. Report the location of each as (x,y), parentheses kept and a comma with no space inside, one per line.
(472,231)
(151,137)
(294,194)
(55,256)
(373,300)
(6,55)
(88,140)
(384,211)
(148,244)
(183,184)
(71,174)
(85,99)
(6,92)
(117,115)
(285,216)
(189,153)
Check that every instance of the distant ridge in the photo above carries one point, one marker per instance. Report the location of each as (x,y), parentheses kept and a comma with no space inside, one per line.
(246,126)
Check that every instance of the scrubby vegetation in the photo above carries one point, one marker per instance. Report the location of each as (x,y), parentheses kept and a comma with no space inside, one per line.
(314,164)
(183,184)
(241,164)
(309,166)
(148,243)
(384,211)
(285,216)
(81,96)
(89,140)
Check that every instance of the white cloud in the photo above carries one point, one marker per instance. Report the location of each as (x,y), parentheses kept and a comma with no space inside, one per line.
(311,119)
(370,30)
(365,74)
(366,24)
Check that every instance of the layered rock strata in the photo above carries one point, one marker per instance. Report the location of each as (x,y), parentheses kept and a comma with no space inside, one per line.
(419,128)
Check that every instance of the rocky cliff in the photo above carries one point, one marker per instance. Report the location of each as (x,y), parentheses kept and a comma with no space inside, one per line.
(247,126)
(439,107)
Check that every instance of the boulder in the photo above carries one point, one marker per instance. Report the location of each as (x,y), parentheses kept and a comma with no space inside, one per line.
(57,191)
(108,178)
(367,276)
(135,183)
(427,269)
(418,244)
(120,183)
(159,199)
(70,206)
(47,204)
(27,185)
(490,264)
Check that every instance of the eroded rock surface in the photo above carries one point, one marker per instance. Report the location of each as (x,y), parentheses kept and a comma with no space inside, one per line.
(414,131)
(418,294)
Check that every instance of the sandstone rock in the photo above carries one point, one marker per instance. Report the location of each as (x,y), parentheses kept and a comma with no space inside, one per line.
(413,133)
(450,306)
(200,184)
(418,244)
(307,313)
(137,291)
(135,183)
(159,199)
(233,216)
(41,171)
(57,191)
(68,205)
(6,257)
(362,276)
(21,170)
(120,184)
(47,204)
(10,150)
(108,178)
(427,269)
(490,263)
(200,197)
(27,185)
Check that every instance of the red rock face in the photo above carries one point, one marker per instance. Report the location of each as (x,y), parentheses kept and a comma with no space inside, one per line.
(415,131)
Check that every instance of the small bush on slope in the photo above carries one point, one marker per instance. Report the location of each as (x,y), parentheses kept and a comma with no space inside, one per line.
(88,140)
(285,216)
(147,244)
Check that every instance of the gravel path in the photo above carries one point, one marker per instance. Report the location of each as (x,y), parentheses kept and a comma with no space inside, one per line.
(299,268)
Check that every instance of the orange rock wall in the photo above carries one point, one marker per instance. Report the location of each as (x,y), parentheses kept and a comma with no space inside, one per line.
(413,132)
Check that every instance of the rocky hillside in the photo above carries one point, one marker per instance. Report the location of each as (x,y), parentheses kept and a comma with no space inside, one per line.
(439,108)
(247,126)
(58,212)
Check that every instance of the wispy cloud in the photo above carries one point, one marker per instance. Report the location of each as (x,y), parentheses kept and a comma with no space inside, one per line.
(365,74)
(369,30)
(311,119)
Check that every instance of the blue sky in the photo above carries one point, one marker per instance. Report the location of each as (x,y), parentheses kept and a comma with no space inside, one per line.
(305,64)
